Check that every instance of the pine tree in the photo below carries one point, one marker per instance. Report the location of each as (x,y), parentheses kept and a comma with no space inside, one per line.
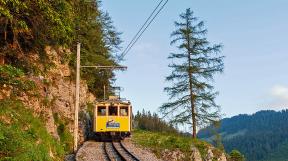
(217,140)
(235,155)
(192,97)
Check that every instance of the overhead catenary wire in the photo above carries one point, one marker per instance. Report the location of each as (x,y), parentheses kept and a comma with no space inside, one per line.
(138,37)
(144,27)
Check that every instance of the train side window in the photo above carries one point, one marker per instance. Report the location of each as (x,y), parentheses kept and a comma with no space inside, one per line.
(101,111)
(124,111)
(113,111)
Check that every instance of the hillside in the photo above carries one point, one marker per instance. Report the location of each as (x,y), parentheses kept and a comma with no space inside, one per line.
(260,136)
(172,146)
(37,77)
(24,136)
(167,143)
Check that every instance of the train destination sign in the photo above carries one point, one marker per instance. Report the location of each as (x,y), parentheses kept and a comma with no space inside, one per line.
(112,124)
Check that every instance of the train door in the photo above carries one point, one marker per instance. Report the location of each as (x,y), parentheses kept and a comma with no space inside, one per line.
(124,118)
(101,117)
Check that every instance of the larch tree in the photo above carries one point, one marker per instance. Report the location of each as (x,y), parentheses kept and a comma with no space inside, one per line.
(193,67)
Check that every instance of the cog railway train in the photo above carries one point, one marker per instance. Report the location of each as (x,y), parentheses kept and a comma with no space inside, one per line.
(112,117)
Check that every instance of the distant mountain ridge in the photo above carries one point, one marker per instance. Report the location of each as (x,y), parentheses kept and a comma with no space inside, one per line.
(262,136)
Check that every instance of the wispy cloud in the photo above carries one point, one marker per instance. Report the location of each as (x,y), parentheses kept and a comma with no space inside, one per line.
(280,92)
(277,98)
(145,49)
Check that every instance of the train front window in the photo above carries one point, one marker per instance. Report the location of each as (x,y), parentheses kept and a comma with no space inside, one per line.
(124,111)
(101,111)
(113,111)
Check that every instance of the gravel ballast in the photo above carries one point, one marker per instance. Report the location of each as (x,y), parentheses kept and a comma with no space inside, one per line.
(141,153)
(93,151)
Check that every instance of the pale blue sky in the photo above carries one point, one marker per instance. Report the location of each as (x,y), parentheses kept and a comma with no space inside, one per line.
(254,35)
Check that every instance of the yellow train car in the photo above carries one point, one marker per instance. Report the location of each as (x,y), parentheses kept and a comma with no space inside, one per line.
(113,117)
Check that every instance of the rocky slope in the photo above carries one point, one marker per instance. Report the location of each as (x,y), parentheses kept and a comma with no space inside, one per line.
(195,155)
(60,93)
(53,98)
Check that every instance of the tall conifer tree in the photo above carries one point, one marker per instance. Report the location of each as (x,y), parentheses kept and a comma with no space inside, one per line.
(191,95)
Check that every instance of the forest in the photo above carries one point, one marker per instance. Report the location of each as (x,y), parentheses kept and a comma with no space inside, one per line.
(27,27)
(146,120)
(260,136)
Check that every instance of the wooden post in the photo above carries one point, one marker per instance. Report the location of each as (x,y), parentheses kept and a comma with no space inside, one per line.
(77,96)
(104,93)
(2,60)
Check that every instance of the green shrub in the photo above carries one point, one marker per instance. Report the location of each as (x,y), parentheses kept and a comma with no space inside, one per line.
(90,109)
(8,73)
(235,155)
(11,76)
(66,139)
(23,136)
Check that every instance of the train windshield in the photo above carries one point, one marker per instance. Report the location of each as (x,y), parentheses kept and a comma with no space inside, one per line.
(113,111)
(123,111)
(101,111)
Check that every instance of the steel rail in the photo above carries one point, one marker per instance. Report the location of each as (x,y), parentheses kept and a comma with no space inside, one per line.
(118,153)
(106,152)
(121,152)
(128,153)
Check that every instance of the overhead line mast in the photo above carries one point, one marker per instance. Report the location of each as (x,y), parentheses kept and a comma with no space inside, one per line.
(77,93)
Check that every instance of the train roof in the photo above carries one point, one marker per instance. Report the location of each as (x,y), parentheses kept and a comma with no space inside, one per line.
(116,101)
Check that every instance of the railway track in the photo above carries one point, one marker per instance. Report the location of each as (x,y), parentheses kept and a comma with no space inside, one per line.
(116,151)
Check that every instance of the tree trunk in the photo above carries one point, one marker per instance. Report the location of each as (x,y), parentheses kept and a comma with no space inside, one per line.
(192,106)
(193,119)
(192,99)
(191,86)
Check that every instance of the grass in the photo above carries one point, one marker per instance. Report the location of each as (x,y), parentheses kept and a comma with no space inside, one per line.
(66,138)
(158,142)
(24,136)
